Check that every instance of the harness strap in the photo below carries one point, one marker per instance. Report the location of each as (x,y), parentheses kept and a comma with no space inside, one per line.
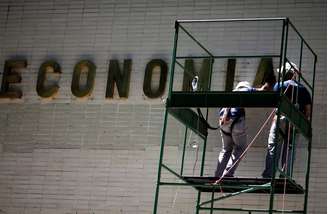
(233,123)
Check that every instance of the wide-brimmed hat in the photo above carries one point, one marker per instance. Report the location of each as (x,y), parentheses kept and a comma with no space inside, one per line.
(289,67)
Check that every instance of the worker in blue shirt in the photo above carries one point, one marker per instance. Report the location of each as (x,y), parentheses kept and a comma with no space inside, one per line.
(233,133)
(296,89)
(299,96)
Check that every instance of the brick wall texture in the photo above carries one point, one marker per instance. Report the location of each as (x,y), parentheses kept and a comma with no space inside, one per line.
(94,155)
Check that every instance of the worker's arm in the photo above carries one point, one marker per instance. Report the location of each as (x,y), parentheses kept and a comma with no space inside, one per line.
(264,87)
(307,111)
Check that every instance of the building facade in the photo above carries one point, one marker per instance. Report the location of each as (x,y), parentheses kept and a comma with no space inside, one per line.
(99,154)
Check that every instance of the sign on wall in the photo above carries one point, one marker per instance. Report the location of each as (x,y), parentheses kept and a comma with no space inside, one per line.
(85,71)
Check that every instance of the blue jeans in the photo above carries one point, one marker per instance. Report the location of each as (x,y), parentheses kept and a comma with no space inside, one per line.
(275,142)
(234,143)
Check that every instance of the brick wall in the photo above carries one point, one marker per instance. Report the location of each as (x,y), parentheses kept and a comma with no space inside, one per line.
(94,155)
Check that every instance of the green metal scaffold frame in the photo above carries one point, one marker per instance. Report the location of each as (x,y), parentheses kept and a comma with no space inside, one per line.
(179,104)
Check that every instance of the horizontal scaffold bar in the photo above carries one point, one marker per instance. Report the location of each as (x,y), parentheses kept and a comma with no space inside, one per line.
(229,56)
(249,210)
(215,99)
(218,188)
(232,20)
(223,99)
(299,34)
(225,196)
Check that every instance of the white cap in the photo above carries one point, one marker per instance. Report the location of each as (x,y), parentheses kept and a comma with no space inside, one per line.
(243,84)
(194,83)
(289,67)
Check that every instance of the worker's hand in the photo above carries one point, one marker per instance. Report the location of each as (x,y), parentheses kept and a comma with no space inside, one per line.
(264,87)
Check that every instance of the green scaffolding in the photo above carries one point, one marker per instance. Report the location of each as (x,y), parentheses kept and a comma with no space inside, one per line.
(180,103)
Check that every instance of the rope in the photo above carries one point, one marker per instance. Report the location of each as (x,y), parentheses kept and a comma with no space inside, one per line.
(175,198)
(285,168)
(251,143)
(217,182)
(197,146)
(286,164)
(177,189)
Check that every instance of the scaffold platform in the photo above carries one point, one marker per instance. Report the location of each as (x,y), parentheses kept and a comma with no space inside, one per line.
(236,184)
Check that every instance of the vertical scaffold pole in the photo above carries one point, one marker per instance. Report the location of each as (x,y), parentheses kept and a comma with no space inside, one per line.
(283,51)
(160,163)
(205,141)
(183,151)
(212,201)
(165,119)
(307,177)
(292,158)
(201,174)
(176,25)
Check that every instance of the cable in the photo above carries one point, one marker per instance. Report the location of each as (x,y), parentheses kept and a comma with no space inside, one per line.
(207,124)
(175,198)
(196,160)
